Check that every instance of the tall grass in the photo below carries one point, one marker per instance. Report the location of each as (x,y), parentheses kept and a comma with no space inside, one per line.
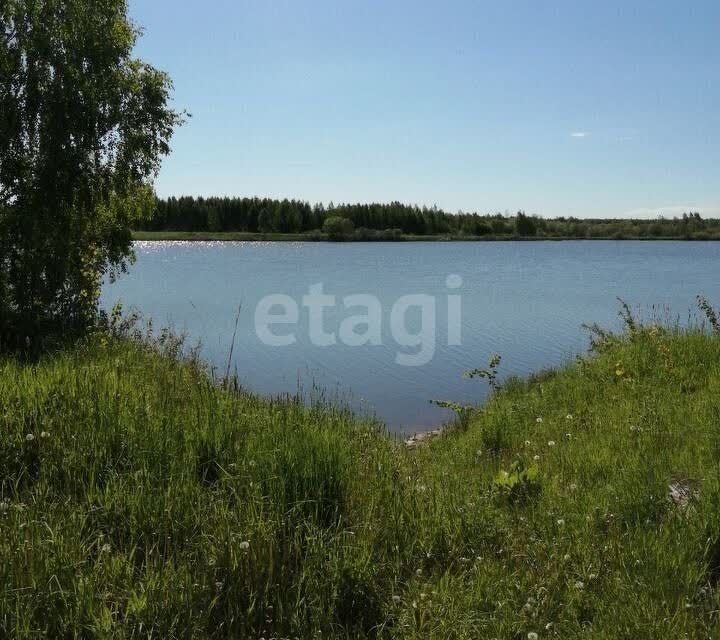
(140,499)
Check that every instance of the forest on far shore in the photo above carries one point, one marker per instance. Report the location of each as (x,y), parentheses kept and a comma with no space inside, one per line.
(265,215)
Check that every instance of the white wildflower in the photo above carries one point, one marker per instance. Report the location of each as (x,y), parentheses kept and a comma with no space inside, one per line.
(561,522)
(244,546)
(532,636)
(536,458)
(580,585)
(105,548)
(538,420)
(44,435)
(29,437)
(551,443)
(568,416)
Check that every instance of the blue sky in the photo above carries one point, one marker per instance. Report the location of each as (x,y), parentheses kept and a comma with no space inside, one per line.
(581,108)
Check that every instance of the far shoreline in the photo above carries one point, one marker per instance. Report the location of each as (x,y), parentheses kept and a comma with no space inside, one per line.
(241,236)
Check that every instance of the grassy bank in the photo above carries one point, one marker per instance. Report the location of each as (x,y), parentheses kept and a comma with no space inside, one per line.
(140,500)
(236,236)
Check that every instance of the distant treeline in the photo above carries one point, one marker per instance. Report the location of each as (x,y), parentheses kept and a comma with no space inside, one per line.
(264,215)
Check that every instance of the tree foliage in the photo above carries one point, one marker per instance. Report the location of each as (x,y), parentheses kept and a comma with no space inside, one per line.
(525,225)
(265,215)
(388,221)
(338,228)
(83,127)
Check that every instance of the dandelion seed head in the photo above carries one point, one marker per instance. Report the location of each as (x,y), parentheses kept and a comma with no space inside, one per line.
(29,437)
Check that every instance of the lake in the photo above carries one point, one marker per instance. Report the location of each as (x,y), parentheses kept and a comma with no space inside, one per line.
(526,301)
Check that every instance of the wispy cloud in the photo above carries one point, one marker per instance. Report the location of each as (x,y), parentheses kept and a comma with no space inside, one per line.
(670,211)
(579,134)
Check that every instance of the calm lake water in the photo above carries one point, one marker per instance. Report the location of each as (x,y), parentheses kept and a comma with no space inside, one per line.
(524,300)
